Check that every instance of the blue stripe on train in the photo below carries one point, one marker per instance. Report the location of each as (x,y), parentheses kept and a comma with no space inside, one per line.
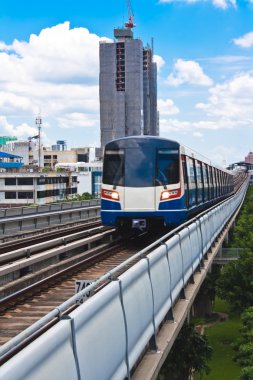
(110,205)
(110,211)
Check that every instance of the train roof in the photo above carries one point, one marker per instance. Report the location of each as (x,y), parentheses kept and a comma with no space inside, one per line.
(129,142)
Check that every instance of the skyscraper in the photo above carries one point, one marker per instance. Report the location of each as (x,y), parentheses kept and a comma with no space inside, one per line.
(127,88)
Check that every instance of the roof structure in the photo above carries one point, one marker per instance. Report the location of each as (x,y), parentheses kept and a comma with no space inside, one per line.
(8,155)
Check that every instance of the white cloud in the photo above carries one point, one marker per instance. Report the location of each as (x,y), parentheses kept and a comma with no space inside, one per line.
(245,41)
(231,100)
(55,73)
(77,120)
(56,54)
(159,61)
(184,127)
(223,4)
(197,134)
(22,131)
(167,107)
(188,72)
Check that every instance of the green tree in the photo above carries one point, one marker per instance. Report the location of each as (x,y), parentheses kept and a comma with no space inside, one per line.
(244,346)
(236,282)
(189,353)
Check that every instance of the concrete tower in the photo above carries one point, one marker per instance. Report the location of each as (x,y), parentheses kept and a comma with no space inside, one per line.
(127,88)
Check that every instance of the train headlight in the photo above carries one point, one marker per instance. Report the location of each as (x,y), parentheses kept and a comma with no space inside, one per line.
(115,195)
(165,195)
(110,194)
(170,194)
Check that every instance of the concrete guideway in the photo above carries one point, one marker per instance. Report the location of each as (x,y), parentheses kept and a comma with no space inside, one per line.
(152,362)
(127,313)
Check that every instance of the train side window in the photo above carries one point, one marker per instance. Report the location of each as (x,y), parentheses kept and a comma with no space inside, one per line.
(205,182)
(219,182)
(216,183)
(210,180)
(213,179)
(199,181)
(192,179)
(227,183)
(186,182)
(167,168)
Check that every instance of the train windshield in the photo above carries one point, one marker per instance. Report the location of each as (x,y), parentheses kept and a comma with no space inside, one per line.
(114,167)
(129,167)
(141,167)
(167,167)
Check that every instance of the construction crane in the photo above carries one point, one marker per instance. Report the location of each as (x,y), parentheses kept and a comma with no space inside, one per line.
(130,24)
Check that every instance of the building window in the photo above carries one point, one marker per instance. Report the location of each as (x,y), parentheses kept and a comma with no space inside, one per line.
(25,181)
(10,181)
(48,193)
(10,195)
(83,158)
(25,195)
(41,181)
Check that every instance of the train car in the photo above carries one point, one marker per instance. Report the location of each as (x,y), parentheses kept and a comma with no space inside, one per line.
(151,181)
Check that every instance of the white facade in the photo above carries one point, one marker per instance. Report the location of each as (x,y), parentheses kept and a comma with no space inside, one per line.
(29,150)
(88,176)
(36,188)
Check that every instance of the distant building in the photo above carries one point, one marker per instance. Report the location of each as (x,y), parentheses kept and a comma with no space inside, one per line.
(5,139)
(249,158)
(73,155)
(24,188)
(10,161)
(127,88)
(89,176)
(29,150)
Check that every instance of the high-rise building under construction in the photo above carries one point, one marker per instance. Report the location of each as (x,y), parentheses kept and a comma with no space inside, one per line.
(127,88)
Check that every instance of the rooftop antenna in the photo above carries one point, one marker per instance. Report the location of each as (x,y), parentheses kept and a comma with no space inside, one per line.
(130,23)
(38,121)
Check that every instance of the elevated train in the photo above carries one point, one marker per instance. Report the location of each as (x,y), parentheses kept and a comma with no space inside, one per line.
(150,181)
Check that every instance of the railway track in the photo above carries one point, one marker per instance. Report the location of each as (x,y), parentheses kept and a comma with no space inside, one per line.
(31,262)
(21,239)
(20,310)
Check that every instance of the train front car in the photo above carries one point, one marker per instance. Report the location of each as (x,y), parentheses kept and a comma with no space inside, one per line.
(142,179)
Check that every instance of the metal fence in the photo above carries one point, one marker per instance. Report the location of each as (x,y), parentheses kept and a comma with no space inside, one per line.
(29,218)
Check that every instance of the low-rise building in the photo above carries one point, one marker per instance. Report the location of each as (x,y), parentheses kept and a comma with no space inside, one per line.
(49,157)
(24,188)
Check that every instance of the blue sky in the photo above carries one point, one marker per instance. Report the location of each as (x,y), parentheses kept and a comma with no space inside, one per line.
(204,50)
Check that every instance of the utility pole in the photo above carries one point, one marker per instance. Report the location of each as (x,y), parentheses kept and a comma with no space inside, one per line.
(38,121)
